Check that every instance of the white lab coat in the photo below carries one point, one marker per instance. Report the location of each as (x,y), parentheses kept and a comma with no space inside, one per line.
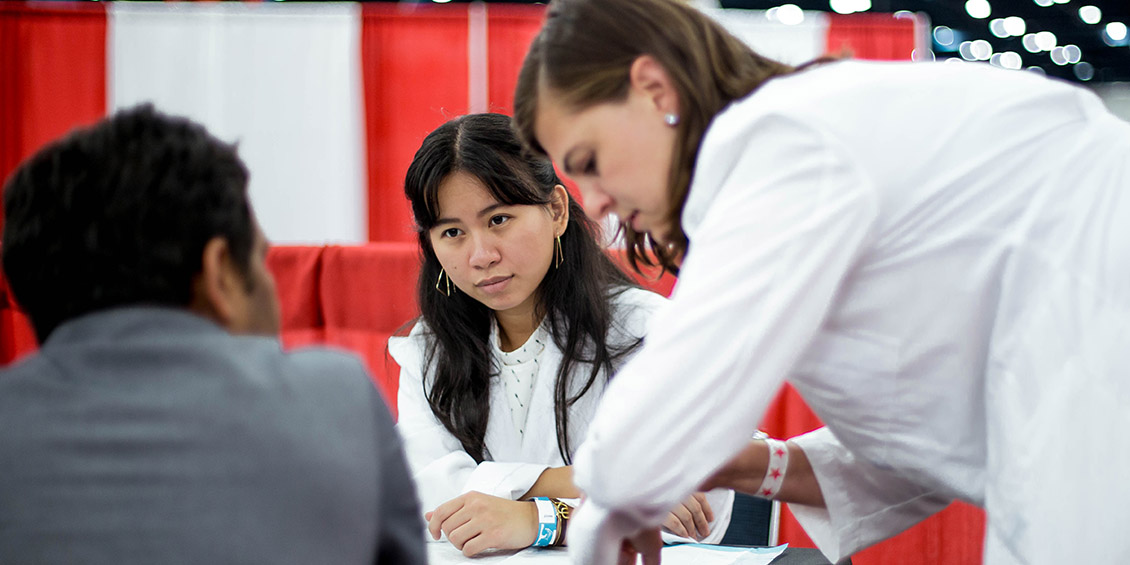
(443,470)
(937,257)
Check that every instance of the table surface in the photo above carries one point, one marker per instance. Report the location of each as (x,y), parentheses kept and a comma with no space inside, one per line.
(442,553)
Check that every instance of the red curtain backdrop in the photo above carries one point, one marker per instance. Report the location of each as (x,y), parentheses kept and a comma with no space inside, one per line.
(510,30)
(416,76)
(52,74)
(871,36)
(415,73)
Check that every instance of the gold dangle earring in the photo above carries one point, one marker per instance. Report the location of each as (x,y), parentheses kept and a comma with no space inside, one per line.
(445,291)
(558,253)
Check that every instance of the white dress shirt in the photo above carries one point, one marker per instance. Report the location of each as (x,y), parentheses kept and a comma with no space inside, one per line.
(937,257)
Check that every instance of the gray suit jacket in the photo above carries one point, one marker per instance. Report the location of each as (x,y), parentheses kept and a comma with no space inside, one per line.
(151,435)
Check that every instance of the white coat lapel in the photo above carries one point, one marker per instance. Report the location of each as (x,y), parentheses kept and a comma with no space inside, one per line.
(502,439)
(539,443)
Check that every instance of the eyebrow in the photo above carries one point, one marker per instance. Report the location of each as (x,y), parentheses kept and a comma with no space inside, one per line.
(483,212)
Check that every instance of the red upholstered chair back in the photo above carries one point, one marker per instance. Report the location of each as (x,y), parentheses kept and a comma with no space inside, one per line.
(17,338)
(298,274)
(354,297)
(367,293)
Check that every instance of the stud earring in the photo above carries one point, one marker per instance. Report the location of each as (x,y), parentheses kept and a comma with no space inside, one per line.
(671,119)
(445,291)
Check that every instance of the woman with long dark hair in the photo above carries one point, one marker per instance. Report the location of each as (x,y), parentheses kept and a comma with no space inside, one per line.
(523,319)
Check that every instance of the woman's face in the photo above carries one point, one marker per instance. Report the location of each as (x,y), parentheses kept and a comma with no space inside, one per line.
(494,253)
(619,154)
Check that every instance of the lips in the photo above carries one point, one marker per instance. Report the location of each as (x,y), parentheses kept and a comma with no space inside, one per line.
(494,284)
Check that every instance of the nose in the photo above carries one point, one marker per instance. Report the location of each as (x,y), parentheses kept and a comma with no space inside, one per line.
(597,203)
(484,252)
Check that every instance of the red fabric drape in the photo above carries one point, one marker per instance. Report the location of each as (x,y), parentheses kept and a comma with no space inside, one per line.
(510,30)
(415,74)
(52,74)
(951,537)
(871,36)
(52,79)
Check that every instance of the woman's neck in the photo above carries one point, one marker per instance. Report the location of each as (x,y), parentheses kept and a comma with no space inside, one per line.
(515,328)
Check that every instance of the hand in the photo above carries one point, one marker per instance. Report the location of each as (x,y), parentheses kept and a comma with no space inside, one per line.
(475,522)
(647,544)
(691,518)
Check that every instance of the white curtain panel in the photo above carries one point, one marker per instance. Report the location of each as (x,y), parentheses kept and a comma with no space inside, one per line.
(788,43)
(284,81)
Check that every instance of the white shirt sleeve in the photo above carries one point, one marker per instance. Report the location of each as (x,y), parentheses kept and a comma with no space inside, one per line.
(865,504)
(763,268)
(440,466)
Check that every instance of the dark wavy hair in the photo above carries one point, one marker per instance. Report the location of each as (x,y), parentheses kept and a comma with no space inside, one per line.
(575,298)
(118,213)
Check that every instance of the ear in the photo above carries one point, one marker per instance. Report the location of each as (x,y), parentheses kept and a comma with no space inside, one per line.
(559,209)
(648,77)
(218,290)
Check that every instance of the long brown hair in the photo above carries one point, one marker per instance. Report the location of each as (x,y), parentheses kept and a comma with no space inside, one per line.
(583,55)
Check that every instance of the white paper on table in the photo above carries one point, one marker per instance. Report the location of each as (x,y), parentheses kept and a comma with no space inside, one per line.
(702,554)
(443,553)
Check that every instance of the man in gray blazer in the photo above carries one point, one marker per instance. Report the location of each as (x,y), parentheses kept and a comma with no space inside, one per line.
(160,422)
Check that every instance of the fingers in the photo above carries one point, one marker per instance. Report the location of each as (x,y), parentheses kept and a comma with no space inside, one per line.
(476,545)
(435,521)
(692,518)
(700,515)
(685,517)
(467,538)
(674,525)
(446,517)
(705,502)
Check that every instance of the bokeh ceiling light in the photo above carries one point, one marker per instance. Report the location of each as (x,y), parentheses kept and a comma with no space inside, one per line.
(1091,14)
(1116,31)
(979,9)
(1046,40)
